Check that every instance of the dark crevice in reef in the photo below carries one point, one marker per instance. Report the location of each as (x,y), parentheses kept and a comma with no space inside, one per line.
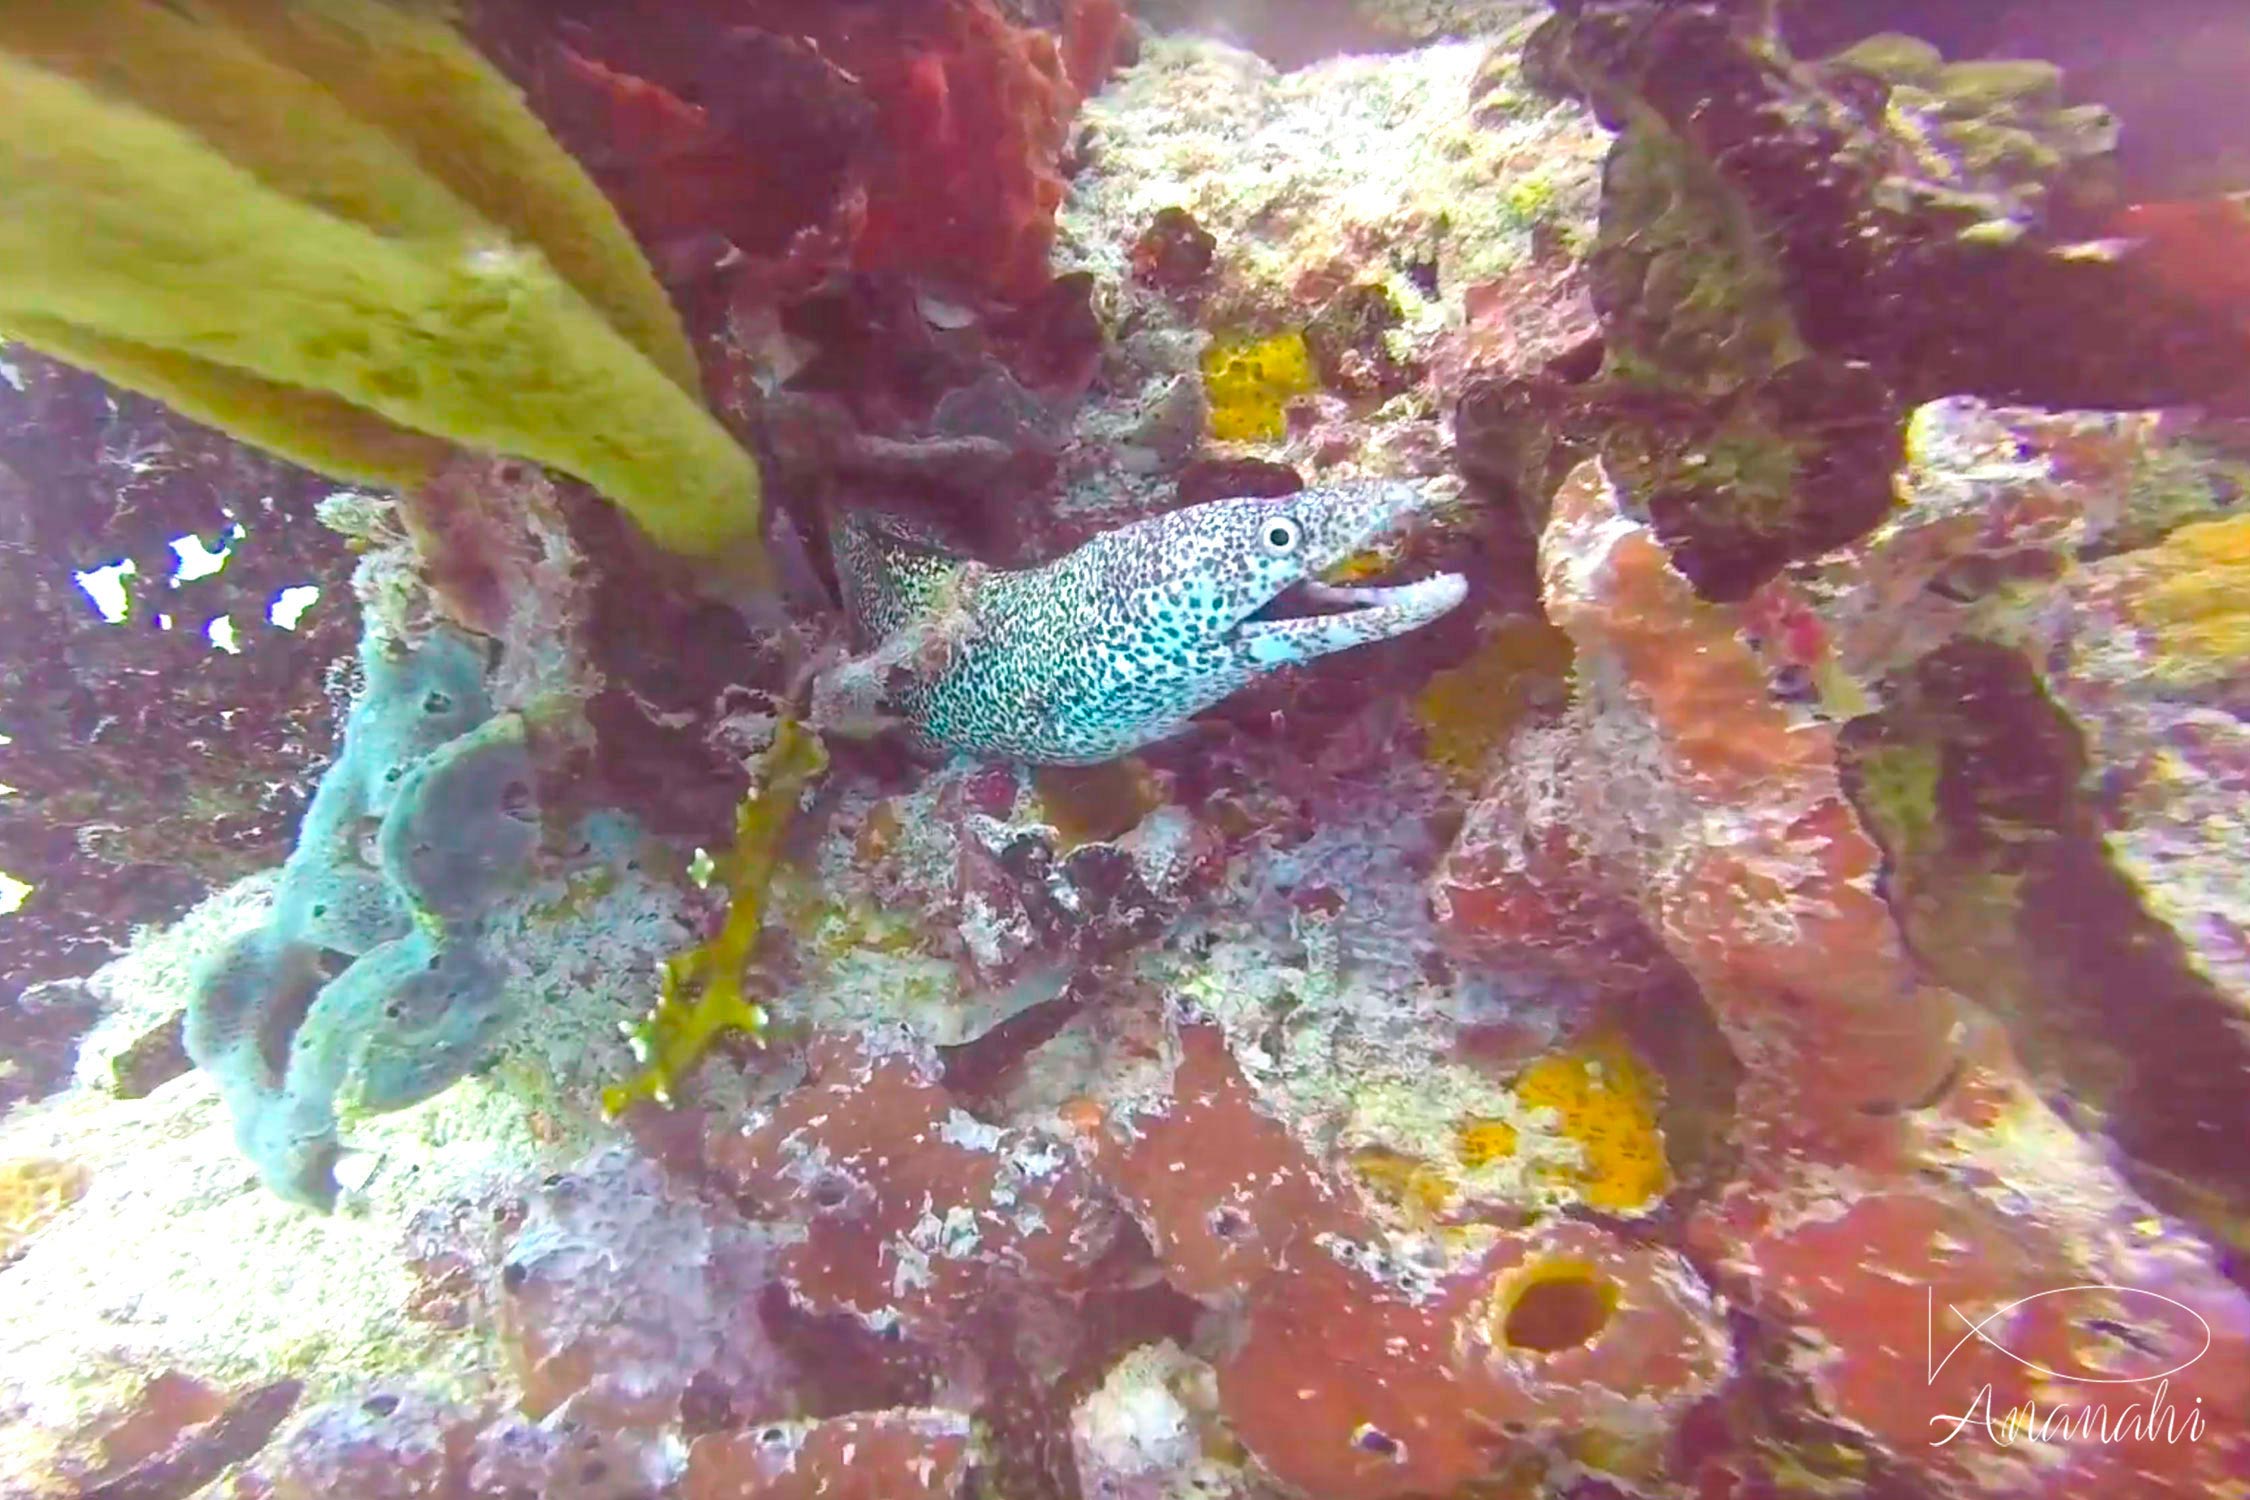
(1976,784)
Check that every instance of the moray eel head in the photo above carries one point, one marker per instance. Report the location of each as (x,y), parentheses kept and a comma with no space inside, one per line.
(1241,578)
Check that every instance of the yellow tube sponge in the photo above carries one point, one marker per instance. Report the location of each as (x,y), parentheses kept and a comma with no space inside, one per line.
(328,289)
(289,132)
(311,428)
(1605,1100)
(413,78)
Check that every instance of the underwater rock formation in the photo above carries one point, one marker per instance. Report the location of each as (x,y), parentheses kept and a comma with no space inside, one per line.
(1792,258)
(916,1214)
(1988,1225)
(1951,292)
(402,1443)
(1366,1369)
(886,1455)
(2044,740)
(617,1295)
(812,140)
(428,813)
(1144,1433)
(191,1448)
(1739,849)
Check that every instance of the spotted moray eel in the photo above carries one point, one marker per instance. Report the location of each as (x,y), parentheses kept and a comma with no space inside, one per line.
(1120,642)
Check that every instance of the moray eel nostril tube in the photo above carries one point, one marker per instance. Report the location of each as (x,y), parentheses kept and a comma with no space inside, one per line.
(1120,642)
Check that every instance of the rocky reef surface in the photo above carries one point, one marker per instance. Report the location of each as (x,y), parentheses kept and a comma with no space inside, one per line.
(1612,1042)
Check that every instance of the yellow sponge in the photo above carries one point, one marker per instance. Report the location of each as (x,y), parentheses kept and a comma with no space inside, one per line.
(1250,380)
(331,228)
(1606,1100)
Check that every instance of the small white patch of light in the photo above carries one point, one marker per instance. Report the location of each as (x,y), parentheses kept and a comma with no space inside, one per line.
(13,893)
(163,622)
(221,632)
(106,587)
(14,377)
(197,560)
(290,604)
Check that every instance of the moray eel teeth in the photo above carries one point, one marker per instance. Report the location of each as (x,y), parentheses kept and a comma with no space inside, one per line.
(1121,641)
(1374,614)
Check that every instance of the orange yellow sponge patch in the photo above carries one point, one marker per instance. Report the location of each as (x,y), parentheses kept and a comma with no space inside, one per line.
(1250,380)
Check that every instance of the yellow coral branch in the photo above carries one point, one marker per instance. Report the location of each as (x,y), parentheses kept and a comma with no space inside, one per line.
(701,997)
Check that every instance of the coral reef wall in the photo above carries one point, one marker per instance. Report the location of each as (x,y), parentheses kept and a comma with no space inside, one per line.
(1612,1042)
(136,776)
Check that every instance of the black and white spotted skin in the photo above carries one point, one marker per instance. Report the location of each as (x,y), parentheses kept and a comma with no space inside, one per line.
(1123,640)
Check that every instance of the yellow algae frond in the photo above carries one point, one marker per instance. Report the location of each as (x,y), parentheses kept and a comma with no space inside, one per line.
(1249,381)
(418,82)
(311,428)
(333,229)
(292,134)
(701,996)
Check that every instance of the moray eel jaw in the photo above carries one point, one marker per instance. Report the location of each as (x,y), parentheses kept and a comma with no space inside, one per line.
(1281,547)
(1372,614)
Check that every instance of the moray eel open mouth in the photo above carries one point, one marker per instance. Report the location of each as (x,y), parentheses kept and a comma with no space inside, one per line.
(1311,618)
(1308,617)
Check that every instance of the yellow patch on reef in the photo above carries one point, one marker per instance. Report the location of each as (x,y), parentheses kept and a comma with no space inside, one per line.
(1249,380)
(701,998)
(1468,711)
(333,229)
(1095,804)
(2199,606)
(1577,1126)
(1417,1188)
(1606,1101)
(1480,1142)
(33,1190)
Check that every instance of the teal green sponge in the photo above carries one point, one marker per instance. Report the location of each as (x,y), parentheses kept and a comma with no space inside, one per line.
(370,980)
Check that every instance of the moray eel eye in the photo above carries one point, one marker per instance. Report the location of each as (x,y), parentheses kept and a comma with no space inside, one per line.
(1280,535)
